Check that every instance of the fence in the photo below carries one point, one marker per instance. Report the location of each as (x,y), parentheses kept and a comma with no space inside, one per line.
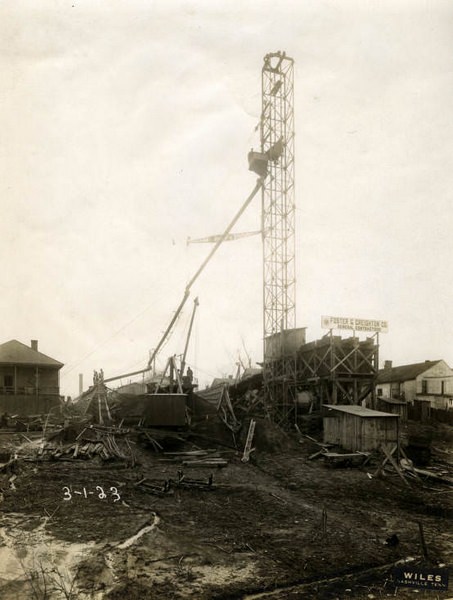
(423,412)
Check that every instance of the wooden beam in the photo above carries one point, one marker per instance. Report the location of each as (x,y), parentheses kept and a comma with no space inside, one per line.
(395,466)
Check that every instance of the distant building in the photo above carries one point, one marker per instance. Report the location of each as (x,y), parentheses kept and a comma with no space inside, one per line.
(430,381)
(29,380)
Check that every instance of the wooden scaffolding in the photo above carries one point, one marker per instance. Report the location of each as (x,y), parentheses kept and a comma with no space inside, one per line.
(332,370)
(339,370)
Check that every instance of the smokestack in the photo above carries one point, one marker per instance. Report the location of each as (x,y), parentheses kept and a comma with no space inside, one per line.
(80,384)
(34,345)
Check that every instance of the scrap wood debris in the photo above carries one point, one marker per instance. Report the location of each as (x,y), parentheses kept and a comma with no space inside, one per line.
(342,458)
(106,442)
(7,466)
(441,476)
(163,488)
(197,458)
(158,439)
(186,482)
(160,488)
(338,457)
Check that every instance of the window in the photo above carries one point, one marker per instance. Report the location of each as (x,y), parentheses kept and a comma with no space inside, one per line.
(9,381)
(442,387)
(424,386)
(379,391)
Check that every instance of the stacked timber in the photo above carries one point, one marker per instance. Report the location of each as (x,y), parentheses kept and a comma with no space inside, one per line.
(197,458)
(106,442)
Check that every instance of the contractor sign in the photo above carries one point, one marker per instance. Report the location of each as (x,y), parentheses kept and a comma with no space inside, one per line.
(354,324)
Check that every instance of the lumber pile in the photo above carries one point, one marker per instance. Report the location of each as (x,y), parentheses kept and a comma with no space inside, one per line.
(197,458)
(106,442)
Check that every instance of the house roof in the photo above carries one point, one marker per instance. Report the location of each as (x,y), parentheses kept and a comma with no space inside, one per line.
(405,372)
(16,353)
(358,411)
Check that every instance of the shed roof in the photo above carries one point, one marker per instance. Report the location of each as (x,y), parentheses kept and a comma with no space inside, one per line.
(405,372)
(16,353)
(392,400)
(359,411)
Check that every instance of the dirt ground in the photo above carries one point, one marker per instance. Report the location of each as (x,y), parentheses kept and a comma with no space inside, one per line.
(279,527)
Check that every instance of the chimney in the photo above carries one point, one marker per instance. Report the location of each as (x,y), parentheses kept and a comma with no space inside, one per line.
(34,345)
(80,384)
(387,365)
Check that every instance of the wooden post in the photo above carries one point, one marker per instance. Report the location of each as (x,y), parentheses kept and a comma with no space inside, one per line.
(334,391)
(101,420)
(422,539)
(394,464)
(398,448)
(376,368)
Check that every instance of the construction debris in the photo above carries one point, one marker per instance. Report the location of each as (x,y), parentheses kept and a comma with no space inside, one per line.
(155,488)
(429,473)
(346,458)
(166,487)
(248,443)
(197,458)
(106,442)
(186,482)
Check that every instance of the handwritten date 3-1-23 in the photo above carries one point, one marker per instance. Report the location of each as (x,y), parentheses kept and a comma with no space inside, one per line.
(113,493)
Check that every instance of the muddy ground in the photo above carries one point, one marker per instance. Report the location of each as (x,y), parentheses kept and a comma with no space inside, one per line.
(281,526)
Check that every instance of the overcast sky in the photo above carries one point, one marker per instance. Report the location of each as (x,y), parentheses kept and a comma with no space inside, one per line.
(125,128)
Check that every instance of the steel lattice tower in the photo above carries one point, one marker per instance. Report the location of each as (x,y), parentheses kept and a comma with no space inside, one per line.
(278,209)
(278,226)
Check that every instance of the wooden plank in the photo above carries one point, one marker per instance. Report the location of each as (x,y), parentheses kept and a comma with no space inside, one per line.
(382,465)
(410,466)
(432,475)
(248,443)
(312,456)
(395,466)
(338,455)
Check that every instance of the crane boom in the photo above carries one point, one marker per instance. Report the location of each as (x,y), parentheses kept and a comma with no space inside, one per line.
(186,347)
(211,239)
(258,186)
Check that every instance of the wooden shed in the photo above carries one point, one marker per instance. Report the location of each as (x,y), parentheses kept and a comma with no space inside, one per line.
(392,405)
(357,428)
